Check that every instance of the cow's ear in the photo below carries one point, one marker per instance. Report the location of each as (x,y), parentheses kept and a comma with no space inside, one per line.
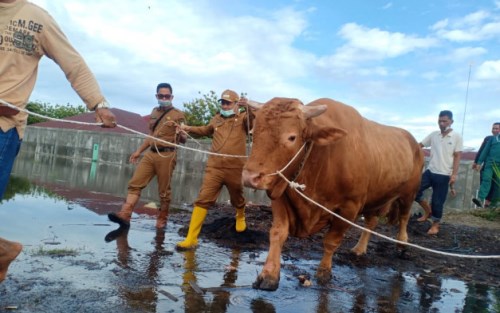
(325,135)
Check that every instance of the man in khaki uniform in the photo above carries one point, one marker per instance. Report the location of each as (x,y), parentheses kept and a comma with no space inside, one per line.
(27,33)
(229,129)
(159,160)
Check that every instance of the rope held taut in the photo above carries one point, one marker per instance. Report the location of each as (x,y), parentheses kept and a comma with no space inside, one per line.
(294,185)
(122,127)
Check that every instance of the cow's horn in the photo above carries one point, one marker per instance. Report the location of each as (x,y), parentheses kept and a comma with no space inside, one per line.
(312,111)
(254,104)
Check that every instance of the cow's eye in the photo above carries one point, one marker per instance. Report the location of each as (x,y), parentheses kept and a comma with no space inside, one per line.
(291,138)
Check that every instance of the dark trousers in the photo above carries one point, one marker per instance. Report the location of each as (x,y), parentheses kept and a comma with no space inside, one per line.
(9,148)
(439,184)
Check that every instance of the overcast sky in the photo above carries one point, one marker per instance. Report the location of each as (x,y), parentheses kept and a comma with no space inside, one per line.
(398,63)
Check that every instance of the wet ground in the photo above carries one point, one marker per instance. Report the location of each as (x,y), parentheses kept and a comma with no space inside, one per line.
(75,260)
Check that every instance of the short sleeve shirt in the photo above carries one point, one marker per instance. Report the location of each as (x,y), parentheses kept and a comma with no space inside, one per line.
(442,150)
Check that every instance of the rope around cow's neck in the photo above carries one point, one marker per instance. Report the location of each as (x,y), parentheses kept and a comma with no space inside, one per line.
(280,172)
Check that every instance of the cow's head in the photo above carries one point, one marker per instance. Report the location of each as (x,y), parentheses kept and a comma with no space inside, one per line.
(281,127)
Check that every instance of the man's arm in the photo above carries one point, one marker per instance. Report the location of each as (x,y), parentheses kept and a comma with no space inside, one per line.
(56,46)
(134,157)
(456,164)
(477,165)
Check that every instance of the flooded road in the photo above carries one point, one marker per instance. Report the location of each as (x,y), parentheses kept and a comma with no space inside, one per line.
(74,260)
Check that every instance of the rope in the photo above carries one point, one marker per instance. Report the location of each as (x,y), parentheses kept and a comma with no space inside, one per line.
(293,185)
(125,128)
(286,166)
(296,186)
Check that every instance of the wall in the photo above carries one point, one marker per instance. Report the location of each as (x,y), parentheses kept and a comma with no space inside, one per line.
(116,149)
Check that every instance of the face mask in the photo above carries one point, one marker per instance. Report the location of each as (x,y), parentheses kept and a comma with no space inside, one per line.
(227,113)
(164,103)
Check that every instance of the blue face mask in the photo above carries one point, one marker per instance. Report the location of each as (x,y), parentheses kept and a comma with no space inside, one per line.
(164,103)
(226,113)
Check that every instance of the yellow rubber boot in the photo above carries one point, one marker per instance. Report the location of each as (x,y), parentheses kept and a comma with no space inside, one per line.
(241,225)
(197,219)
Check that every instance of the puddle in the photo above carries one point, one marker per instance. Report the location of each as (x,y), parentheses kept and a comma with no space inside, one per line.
(71,263)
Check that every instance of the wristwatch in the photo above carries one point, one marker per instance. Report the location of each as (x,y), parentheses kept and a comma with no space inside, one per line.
(103,105)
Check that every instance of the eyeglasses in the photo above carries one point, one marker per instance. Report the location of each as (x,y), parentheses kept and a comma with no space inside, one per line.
(162,96)
(225,102)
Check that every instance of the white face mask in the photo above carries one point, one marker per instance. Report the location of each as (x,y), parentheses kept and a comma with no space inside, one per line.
(164,103)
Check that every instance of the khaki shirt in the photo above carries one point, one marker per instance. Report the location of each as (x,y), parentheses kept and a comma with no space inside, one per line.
(28,32)
(166,127)
(229,135)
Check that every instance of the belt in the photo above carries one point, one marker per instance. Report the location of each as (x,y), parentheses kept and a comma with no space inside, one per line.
(162,149)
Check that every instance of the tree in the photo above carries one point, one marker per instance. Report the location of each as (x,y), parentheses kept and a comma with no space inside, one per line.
(200,110)
(57,111)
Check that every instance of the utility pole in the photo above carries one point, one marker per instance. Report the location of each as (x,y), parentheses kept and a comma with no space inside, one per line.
(466,99)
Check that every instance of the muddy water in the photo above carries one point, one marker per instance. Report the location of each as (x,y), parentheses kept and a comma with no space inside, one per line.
(74,260)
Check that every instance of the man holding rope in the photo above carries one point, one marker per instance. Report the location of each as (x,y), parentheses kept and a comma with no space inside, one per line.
(229,129)
(159,160)
(27,33)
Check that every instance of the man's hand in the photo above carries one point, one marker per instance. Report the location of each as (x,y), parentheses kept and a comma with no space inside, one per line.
(476,167)
(452,190)
(134,157)
(243,102)
(106,117)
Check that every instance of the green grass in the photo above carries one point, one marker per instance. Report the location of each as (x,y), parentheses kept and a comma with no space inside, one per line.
(488,214)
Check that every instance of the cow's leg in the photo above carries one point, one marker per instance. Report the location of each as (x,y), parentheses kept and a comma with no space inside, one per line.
(404,217)
(360,248)
(331,241)
(269,278)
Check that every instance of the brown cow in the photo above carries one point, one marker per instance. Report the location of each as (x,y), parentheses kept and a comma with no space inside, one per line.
(350,165)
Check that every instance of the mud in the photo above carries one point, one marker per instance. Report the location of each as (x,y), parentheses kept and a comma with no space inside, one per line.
(459,233)
(106,270)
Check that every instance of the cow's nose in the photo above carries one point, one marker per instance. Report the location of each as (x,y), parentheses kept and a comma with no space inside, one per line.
(251,179)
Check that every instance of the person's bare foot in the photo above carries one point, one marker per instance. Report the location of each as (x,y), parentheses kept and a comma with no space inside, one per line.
(434,230)
(9,250)
(427,211)
(424,217)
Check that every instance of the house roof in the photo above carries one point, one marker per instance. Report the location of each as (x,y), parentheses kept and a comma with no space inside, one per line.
(125,118)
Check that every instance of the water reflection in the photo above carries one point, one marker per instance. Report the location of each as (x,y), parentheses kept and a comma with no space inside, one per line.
(215,299)
(138,290)
(136,272)
(112,178)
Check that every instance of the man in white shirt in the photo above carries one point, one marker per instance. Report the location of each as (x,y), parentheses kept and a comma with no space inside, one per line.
(446,150)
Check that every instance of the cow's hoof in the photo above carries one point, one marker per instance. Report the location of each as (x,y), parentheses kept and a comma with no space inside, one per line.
(266,284)
(358,251)
(403,253)
(323,275)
